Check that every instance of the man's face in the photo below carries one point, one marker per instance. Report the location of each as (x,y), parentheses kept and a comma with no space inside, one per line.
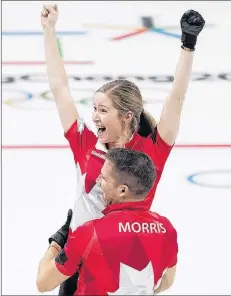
(107,182)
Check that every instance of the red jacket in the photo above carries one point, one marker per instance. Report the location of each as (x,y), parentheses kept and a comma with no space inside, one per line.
(125,252)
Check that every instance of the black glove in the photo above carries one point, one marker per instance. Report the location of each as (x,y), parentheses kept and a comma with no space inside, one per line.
(192,24)
(60,237)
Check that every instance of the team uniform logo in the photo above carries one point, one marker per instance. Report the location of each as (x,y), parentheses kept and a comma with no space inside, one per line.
(135,282)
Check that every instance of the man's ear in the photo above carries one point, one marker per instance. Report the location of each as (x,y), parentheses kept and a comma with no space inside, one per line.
(123,191)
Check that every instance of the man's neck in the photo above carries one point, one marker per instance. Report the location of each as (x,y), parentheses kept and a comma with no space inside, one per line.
(134,199)
(129,199)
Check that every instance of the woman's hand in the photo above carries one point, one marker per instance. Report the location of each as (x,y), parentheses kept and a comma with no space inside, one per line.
(192,24)
(49,16)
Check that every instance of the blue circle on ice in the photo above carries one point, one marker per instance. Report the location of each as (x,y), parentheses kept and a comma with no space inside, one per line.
(212,179)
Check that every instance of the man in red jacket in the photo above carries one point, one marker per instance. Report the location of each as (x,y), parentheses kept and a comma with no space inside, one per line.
(129,250)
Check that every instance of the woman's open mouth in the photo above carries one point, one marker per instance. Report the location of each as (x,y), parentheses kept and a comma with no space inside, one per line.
(100,130)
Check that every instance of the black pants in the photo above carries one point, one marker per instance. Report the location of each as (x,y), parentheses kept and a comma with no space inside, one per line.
(69,287)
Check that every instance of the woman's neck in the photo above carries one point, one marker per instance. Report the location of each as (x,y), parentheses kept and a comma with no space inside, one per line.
(120,143)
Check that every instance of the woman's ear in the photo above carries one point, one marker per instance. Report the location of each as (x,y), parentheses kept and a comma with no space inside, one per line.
(128,116)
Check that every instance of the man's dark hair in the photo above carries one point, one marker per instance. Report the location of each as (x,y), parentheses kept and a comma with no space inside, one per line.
(133,169)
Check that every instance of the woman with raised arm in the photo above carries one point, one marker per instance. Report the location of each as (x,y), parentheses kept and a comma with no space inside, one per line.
(119,117)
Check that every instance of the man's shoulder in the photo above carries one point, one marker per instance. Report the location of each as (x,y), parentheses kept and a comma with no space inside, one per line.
(113,218)
(163,219)
(86,228)
(110,217)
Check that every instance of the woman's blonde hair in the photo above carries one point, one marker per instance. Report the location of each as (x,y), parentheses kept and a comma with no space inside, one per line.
(126,96)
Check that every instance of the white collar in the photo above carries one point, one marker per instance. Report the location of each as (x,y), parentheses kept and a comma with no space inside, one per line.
(101,146)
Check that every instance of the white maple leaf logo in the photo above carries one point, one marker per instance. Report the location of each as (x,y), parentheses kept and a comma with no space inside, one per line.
(135,282)
(87,206)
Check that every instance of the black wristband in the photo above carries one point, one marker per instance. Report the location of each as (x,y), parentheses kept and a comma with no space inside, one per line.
(58,238)
(187,49)
(188,40)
